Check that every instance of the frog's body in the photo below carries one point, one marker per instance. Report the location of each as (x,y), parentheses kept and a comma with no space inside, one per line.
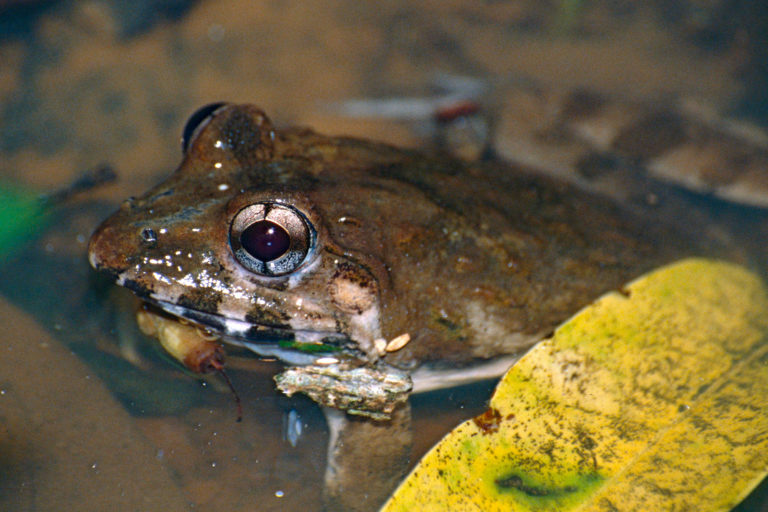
(472,261)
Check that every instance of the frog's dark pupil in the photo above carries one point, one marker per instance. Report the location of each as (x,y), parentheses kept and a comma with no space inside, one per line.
(265,240)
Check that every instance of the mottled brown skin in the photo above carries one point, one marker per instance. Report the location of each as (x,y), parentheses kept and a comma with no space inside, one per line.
(472,260)
(529,252)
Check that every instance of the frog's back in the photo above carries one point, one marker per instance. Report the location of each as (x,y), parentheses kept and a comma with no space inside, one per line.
(475,260)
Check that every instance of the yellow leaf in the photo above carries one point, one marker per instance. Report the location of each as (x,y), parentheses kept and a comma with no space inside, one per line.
(650,399)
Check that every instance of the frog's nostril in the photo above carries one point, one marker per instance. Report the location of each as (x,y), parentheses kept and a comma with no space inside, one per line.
(148,236)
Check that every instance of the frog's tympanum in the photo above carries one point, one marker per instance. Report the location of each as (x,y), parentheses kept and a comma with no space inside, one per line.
(361,265)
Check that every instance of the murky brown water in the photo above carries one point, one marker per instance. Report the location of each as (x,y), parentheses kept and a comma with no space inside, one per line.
(82,428)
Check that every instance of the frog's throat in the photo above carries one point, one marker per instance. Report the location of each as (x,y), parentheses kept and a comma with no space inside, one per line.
(266,341)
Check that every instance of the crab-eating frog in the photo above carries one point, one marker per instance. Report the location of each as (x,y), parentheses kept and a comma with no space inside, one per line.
(365,267)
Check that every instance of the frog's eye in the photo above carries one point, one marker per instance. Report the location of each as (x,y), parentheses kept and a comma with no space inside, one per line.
(195,120)
(270,239)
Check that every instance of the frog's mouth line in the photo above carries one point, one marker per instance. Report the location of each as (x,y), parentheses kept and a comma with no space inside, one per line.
(273,342)
(296,347)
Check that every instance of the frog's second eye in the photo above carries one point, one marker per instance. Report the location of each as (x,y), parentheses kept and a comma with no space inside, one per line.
(195,120)
(270,239)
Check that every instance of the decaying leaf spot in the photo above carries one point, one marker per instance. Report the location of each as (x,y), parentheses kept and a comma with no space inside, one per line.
(489,421)
(523,484)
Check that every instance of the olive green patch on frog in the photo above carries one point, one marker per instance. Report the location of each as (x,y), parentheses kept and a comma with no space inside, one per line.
(310,348)
(451,327)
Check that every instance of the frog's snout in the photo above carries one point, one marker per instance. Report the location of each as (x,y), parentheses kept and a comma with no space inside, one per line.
(102,252)
(94,248)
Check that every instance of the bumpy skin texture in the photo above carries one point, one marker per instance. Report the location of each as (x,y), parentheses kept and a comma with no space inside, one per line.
(472,260)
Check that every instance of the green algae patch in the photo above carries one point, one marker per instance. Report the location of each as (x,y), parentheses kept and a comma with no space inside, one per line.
(22,215)
(311,348)
(652,398)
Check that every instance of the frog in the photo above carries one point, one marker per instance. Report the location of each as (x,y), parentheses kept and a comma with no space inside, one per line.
(371,271)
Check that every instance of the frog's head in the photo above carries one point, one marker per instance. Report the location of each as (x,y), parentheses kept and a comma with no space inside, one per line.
(236,240)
